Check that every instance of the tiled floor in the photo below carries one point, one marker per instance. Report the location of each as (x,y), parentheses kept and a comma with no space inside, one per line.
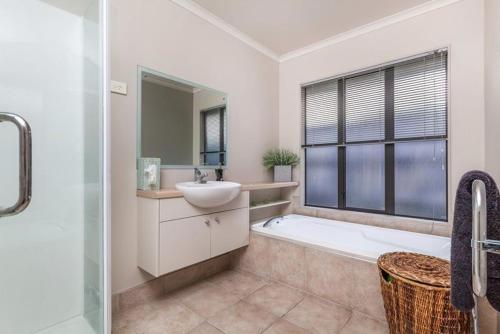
(239,303)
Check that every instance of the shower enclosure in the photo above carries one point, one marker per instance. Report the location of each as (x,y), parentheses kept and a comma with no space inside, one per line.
(53,212)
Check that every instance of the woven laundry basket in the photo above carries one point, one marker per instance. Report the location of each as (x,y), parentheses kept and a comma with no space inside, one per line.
(416,293)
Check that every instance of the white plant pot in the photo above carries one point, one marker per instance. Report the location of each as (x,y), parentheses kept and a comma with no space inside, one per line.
(282,173)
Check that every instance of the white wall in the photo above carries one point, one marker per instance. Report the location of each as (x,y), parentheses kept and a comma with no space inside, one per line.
(160,35)
(492,87)
(458,26)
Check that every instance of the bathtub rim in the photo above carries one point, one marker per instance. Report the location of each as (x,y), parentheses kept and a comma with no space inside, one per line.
(259,223)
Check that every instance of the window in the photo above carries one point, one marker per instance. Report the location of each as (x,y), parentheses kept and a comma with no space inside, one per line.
(376,141)
(214,136)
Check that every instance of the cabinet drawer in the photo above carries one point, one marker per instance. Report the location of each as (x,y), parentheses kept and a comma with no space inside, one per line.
(176,208)
(230,230)
(183,242)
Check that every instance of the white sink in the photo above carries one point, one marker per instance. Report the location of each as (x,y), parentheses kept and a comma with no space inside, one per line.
(210,194)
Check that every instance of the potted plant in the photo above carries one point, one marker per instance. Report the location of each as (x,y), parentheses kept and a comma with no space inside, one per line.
(282,161)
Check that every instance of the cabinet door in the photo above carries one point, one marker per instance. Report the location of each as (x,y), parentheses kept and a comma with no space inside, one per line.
(184,242)
(230,230)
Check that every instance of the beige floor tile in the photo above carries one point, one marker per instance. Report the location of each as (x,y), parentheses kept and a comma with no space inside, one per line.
(288,263)
(242,318)
(361,324)
(209,300)
(276,298)
(241,283)
(179,294)
(131,316)
(284,327)
(206,328)
(172,319)
(141,294)
(319,316)
(124,330)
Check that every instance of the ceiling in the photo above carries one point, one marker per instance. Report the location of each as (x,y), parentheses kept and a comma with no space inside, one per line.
(287,25)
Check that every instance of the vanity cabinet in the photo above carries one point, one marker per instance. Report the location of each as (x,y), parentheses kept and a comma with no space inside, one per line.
(173,234)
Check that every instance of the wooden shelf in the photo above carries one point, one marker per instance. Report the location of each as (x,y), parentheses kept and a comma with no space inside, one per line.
(270,185)
(173,193)
(268,205)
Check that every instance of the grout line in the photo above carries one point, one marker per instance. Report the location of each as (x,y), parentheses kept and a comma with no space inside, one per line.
(345,324)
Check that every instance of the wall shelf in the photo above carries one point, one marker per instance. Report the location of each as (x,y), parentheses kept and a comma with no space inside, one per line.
(268,205)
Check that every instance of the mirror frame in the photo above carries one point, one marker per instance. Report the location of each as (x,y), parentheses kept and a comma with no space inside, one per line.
(140,71)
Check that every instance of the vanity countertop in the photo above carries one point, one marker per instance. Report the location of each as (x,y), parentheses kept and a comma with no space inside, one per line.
(173,193)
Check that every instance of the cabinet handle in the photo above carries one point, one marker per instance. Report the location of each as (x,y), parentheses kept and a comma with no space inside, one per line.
(217,220)
(207,222)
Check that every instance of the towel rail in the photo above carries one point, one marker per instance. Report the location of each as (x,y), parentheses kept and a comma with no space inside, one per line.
(481,246)
(479,257)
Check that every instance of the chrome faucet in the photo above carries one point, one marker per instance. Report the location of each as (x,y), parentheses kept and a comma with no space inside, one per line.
(199,177)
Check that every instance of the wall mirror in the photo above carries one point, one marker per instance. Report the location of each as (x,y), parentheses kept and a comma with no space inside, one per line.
(182,123)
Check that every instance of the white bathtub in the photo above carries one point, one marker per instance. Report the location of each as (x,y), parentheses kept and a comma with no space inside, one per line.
(356,240)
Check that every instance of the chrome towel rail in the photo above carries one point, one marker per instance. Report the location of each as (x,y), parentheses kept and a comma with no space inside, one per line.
(481,246)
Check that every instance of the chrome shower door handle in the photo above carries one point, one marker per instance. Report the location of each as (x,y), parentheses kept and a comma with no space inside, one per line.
(24,164)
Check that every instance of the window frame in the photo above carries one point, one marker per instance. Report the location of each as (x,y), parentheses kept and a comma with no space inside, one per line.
(222,144)
(389,140)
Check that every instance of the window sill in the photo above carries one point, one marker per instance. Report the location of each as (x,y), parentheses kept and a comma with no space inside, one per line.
(381,220)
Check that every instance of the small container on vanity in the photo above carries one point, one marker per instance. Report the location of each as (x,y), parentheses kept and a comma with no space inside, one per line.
(281,161)
(148,173)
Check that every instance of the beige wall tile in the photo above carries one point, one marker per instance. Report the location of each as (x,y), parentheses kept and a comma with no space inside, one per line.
(442,229)
(256,257)
(367,296)
(288,263)
(329,276)
(398,223)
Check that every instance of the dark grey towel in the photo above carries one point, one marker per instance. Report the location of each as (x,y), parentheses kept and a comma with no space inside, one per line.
(461,252)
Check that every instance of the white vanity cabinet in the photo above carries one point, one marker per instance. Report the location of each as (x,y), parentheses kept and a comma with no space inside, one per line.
(173,234)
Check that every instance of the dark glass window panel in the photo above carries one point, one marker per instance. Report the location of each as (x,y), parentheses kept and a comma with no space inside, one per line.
(322,176)
(420,179)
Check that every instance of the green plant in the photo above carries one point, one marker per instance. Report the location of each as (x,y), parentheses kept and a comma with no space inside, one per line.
(280,157)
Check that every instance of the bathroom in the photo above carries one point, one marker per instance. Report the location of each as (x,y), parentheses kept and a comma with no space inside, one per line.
(107,224)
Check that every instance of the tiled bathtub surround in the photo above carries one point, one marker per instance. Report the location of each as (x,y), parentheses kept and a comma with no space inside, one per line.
(234,302)
(347,281)
(398,223)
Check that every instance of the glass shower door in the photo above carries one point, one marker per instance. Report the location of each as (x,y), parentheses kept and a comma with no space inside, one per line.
(52,214)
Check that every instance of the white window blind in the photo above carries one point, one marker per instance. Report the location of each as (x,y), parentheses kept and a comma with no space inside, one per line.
(420,97)
(365,108)
(320,113)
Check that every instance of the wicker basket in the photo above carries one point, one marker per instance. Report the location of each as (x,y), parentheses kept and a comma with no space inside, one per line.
(416,293)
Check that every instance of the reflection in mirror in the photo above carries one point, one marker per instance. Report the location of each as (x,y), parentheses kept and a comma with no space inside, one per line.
(182,123)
